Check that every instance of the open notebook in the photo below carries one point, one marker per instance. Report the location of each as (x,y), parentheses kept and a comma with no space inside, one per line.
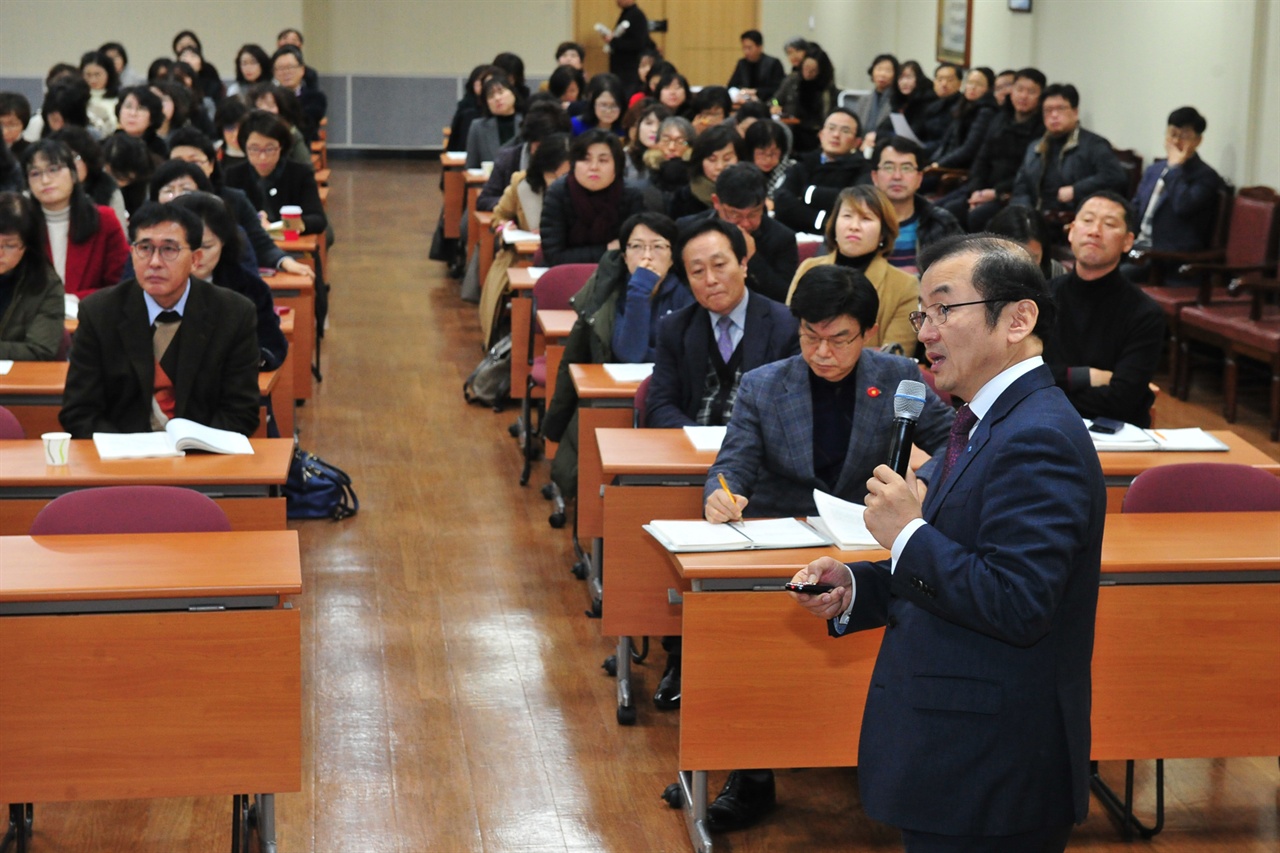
(681,537)
(1132,438)
(842,522)
(179,436)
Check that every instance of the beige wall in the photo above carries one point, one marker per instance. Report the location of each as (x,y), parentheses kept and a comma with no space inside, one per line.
(34,34)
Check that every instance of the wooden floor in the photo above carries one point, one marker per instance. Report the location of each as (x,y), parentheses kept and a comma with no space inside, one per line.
(454,696)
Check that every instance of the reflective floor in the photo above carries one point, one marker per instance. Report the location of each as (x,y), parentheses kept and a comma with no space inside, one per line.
(453,696)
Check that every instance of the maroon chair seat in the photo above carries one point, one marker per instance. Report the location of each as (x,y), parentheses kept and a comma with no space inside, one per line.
(130,509)
(10,427)
(1203,487)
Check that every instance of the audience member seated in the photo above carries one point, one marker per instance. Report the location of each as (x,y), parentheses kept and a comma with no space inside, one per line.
(129,163)
(572,54)
(541,121)
(186,48)
(104,91)
(619,310)
(911,96)
(66,104)
(713,152)
(711,106)
(747,114)
(1014,129)
(512,67)
(971,118)
(15,115)
(220,262)
(794,48)
(292,36)
(1003,86)
(704,349)
(768,144)
(252,68)
(875,106)
(813,182)
(1025,227)
(583,211)
(289,70)
(819,420)
(657,68)
(809,97)
(520,207)
(133,368)
(226,125)
(921,223)
(85,241)
(279,101)
(140,115)
(99,186)
(605,99)
(59,74)
(668,161)
(673,92)
(860,231)
(31,295)
(1177,201)
(643,125)
(120,59)
(270,180)
(739,199)
(565,84)
(498,124)
(1109,334)
(468,107)
(757,75)
(175,106)
(936,118)
(1069,163)
(11,178)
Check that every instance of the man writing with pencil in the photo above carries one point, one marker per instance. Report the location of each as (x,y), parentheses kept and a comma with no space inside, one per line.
(819,420)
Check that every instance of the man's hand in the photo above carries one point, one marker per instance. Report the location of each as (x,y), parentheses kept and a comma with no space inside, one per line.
(1099,377)
(751,243)
(831,604)
(891,503)
(1066,194)
(290,265)
(981,197)
(1174,152)
(720,509)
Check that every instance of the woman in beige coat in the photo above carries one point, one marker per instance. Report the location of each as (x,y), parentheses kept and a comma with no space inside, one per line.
(861,230)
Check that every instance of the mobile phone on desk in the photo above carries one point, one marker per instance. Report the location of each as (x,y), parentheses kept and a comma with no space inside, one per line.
(809,588)
(1106,426)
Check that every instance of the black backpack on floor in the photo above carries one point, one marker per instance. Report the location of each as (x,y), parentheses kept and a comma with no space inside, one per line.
(490,383)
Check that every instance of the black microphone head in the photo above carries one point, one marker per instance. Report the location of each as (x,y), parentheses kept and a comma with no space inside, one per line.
(908,401)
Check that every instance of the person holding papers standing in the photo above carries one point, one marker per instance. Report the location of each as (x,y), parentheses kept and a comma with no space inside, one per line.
(975,734)
(164,344)
(819,420)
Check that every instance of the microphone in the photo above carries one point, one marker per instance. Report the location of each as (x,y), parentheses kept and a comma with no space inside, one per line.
(908,403)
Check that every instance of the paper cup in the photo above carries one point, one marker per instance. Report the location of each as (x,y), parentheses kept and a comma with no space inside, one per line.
(291,216)
(486,166)
(57,447)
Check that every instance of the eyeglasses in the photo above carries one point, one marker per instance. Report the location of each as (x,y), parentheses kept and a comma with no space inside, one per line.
(53,171)
(905,169)
(674,140)
(278,67)
(809,340)
(651,248)
(607,108)
(169,252)
(262,150)
(9,247)
(938,313)
(840,129)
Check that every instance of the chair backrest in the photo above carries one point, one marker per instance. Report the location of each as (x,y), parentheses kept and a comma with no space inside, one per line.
(640,418)
(1203,487)
(849,98)
(553,290)
(1253,222)
(130,509)
(10,426)
(809,249)
(1131,163)
(64,347)
(1222,220)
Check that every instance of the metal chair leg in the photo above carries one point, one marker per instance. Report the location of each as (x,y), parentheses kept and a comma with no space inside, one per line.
(1122,810)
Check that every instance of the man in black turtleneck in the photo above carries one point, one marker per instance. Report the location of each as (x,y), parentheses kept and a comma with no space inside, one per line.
(1109,333)
(804,200)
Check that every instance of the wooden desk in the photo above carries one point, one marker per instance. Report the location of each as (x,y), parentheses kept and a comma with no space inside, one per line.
(482,224)
(555,324)
(453,166)
(298,293)
(246,487)
(32,390)
(1119,468)
(474,180)
(1186,661)
(139,696)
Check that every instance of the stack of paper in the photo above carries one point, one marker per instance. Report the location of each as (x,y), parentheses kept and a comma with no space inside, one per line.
(842,521)
(6,364)
(511,236)
(706,437)
(629,372)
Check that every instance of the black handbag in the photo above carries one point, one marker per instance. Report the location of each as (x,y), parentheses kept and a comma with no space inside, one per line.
(316,489)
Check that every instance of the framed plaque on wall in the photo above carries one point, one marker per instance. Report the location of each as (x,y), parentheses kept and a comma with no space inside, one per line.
(955,31)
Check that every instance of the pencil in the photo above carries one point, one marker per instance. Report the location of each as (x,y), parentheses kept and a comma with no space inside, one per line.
(725,485)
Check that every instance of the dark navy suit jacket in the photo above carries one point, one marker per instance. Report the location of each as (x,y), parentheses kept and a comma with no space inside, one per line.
(684,351)
(977,718)
(1186,210)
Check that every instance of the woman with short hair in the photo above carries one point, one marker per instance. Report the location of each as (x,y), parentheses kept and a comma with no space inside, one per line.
(714,150)
(140,114)
(499,122)
(270,179)
(582,211)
